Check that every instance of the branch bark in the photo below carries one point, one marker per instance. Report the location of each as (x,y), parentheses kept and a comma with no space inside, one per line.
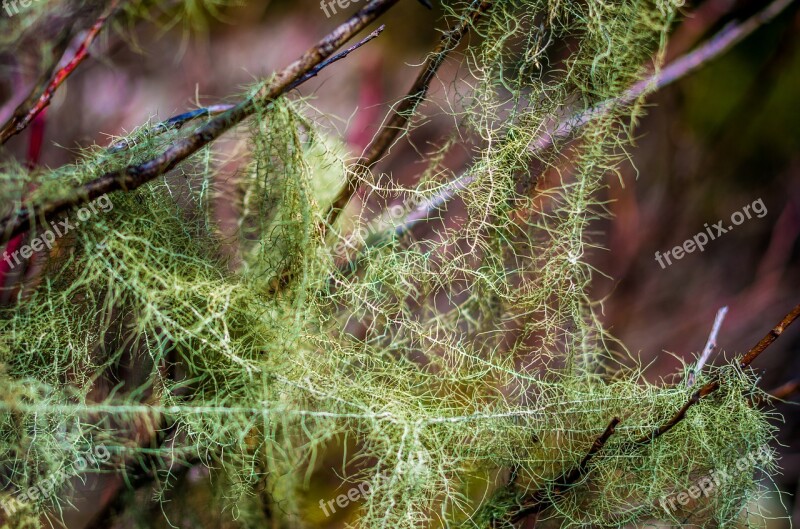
(714,385)
(544,497)
(34,105)
(406,108)
(134,176)
(678,69)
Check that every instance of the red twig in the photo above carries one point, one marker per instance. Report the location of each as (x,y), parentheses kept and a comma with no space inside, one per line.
(134,176)
(23,116)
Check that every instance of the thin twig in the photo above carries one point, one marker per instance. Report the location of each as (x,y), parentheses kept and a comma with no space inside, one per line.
(544,497)
(720,43)
(419,90)
(133,176)
(406,108)
(680,68)
(33,105)
(771,336)
(714,385)
(711,344)
(173,123)
(177,122)
(784,391)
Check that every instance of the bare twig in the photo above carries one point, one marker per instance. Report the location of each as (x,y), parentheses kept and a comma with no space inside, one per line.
(177,122)
(173,123)
(34,105)
(711,344)
(771,336)
(720,43)
(133,176)
(406,108)
(714,385)
(784,391)
(543,498)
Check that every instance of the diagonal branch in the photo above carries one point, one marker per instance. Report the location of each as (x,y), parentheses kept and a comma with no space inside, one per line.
(35,104)
(771,336)
(177,122)
(406,108)
(680,68)
(714,385)
(543,498)
(131,177)
(711,344)
(784,391)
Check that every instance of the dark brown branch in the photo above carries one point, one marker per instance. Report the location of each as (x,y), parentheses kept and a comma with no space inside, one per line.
(132,177)
(419,91)
(771,336)
(406,108)
(714,385)
(543,498)
(34,105)
(784,391)
(177,122)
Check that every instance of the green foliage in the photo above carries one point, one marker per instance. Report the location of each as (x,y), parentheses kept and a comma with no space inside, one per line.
(444,359)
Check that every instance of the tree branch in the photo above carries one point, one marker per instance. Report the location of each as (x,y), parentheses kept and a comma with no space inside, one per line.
(133,176)
(406,108)
(714,385)
(177,122)
(680,68)
(784,391)
(34,105)
(771,336)
(544,497)
(711,344)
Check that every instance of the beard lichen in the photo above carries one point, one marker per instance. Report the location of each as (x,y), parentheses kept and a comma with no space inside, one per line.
(448,361)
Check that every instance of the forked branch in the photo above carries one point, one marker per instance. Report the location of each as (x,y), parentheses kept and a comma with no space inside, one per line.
(131,177)
(714,384)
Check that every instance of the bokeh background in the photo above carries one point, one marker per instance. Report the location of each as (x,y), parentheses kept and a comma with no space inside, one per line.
(714,142)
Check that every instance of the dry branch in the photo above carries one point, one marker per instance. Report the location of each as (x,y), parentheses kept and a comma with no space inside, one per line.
(714,385)
(543,498)
(406,108)
(35,104)
(132,177)
(717,45)
(711,344)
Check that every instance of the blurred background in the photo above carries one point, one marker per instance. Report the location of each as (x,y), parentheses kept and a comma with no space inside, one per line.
(713,143)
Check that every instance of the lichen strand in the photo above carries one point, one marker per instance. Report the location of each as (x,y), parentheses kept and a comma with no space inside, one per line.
(467,355)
